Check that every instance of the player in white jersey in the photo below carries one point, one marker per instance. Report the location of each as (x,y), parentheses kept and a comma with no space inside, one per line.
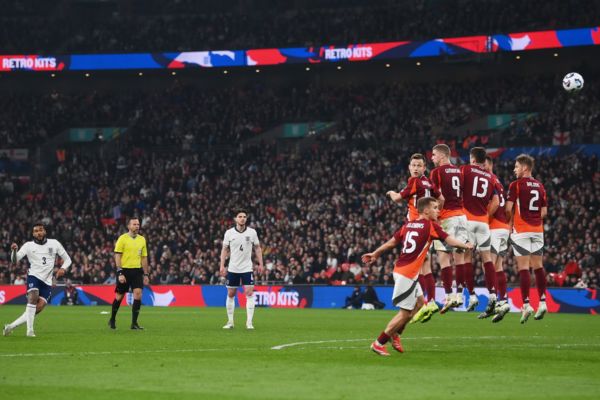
(41,254)
(238,244)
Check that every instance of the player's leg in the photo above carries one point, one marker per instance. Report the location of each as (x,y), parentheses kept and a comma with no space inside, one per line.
(521,245)
(459,263)
(446,272)
(136,278)
(470,280)
(120,290)
(33,296)
(540,283)
(407,295)
(248,282)
(233,282)
(427,272)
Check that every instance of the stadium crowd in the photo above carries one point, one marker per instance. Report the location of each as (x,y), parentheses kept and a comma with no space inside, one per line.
(315,212)
(158,26)
(195,118)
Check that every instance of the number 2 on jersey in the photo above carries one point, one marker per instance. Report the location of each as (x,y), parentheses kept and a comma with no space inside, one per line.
(535,196)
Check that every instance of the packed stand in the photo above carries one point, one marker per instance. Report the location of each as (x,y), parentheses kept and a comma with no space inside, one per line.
(161,26)
(194,118)
(316,212)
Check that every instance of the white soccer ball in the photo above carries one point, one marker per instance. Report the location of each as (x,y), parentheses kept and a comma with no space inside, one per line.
(573,82)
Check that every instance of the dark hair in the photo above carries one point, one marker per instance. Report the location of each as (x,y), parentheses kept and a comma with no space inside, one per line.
(131,219)
(478,153)
(424,202)
(240,210)
(442,148)
(418,156)
(526,159)
(38,223)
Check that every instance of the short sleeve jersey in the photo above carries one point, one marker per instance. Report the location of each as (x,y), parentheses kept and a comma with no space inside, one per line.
(240,246)
(132,250)
(41,258)
(449,181)
(479,188)
(415,238)
(529,197)
(415,189)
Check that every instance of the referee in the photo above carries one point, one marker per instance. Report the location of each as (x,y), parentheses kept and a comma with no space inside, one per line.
(131,255)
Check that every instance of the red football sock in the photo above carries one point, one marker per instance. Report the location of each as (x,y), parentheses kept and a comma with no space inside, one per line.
(430,282)
(469,277)
(540,282)
(460,276)
(447,279)
(525,284)
(501,279)
(423,282)
(383,338)
(490,277)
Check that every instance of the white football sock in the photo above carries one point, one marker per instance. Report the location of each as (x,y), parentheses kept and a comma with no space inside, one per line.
(30,311)
(230,306)
(250,303)
(19,321)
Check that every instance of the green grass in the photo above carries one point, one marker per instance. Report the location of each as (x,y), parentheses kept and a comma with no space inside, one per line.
(184,354)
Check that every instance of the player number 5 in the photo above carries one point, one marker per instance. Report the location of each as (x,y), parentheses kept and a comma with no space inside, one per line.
(409,242)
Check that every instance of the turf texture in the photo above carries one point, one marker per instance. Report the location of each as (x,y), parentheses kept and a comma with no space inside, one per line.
(296,354)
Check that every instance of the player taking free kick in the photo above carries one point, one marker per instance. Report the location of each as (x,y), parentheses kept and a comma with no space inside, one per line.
(415,237)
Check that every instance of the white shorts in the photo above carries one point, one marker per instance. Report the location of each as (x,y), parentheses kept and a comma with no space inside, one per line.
(500,241)
(454,226)
(527,243)
(479,235)
(406,292)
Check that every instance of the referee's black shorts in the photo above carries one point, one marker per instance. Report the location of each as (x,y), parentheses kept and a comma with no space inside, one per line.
(134,279)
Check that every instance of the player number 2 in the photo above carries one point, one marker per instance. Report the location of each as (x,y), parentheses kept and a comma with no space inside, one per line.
(456,185)
(535,196)
(409,242)
(484,187)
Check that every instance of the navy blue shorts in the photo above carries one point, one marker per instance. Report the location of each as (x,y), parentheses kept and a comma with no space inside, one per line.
(35,283)
(236,280)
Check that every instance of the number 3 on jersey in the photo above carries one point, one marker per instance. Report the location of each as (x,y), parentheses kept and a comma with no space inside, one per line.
(410,245)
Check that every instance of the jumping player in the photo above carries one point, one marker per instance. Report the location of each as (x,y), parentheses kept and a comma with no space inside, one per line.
(527,207)
(419,186)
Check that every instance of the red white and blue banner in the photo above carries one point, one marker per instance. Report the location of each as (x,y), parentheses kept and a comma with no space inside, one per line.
(525,41)
(585,301)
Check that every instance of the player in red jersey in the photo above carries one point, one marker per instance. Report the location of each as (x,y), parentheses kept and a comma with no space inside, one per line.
(480,200)
(499,230)
(419,186)
(415,237)
(527,207)
(447,178)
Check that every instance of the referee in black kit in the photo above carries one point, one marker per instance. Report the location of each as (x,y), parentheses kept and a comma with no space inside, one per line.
(131,258)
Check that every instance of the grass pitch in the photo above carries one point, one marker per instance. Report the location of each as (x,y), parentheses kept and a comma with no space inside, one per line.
(319,354)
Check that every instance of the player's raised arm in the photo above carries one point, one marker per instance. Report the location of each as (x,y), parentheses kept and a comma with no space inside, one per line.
(369,258)
(16,256)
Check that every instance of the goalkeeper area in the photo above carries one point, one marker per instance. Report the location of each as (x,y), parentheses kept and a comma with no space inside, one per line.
(296,354)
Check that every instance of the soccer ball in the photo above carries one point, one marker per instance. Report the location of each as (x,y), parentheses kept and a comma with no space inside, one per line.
(573,82)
